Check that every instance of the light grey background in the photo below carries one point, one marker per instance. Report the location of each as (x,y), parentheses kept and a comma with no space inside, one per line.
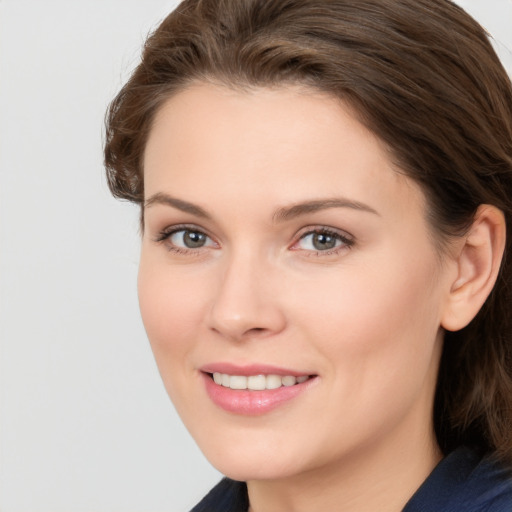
(85,425)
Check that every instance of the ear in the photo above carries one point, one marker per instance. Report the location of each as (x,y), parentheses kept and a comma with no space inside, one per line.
(478,259)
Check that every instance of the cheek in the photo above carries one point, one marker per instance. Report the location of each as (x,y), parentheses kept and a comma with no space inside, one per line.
(378,333)
(171,309)
(377,324)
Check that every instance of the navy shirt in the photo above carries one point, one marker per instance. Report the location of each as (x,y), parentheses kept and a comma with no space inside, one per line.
(461,482)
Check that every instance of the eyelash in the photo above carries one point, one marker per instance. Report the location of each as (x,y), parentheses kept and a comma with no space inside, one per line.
(346,241)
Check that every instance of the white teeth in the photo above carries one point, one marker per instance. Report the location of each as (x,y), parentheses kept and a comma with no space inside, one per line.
(238,382)
(256,382)
(274,381)
(289,380)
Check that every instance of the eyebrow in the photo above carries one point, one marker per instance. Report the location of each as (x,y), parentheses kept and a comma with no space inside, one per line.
(281,215)
(296,210)
(179,204)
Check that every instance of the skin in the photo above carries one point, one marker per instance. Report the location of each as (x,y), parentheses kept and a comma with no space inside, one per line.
(365,318)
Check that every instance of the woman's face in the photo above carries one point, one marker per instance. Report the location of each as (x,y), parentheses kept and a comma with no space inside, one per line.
(281,245)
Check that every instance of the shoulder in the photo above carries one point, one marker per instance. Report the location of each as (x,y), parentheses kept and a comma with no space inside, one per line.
(227,496)
(465,481)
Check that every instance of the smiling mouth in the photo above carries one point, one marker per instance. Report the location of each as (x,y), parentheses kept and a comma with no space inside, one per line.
(257,382)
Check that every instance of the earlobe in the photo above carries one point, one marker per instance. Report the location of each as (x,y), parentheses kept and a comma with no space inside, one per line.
(478,262)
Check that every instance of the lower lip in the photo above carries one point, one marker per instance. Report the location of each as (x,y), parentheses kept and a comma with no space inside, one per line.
(252,403)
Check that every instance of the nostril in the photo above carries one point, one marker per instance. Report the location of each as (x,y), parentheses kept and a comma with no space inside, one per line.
(255,331)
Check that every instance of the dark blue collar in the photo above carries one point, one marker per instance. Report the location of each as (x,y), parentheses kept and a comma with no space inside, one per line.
(464,482)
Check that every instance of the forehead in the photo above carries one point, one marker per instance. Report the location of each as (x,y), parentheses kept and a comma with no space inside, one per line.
(281,143)
(273,119)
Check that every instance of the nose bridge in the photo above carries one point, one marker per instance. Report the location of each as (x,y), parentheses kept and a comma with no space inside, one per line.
(245,301)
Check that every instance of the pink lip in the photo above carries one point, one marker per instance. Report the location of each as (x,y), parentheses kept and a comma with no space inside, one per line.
(246,402)
(252,369)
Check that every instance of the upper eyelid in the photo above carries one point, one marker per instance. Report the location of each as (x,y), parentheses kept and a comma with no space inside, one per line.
(324,229)
(170,230)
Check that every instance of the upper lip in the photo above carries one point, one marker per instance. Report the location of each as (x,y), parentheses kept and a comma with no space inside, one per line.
(250,369)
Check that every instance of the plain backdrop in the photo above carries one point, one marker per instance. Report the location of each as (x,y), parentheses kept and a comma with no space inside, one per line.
(85,424)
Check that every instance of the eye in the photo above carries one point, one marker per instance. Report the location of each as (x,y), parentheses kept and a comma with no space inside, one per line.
(183,239)
(189,239)
(323,240)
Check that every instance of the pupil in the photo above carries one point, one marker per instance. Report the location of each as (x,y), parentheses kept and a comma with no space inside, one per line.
(322,242)
(192,239)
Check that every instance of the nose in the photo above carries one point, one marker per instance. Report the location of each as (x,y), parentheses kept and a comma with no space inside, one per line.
(246,301)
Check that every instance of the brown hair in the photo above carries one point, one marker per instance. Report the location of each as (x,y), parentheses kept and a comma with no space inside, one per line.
(422,75)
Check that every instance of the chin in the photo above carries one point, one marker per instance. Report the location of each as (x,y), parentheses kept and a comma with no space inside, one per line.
(244,462)
(247,470)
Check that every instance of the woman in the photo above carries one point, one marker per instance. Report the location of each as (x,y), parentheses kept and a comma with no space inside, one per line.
(325,271)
